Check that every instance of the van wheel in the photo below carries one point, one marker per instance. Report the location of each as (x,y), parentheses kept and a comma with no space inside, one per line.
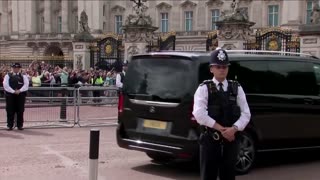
(159,157)
(246,154)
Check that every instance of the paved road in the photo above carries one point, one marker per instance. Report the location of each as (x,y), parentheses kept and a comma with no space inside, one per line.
(51,154)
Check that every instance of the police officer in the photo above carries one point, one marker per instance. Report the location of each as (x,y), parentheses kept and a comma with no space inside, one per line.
(15,85)
(120,76)
(221,109)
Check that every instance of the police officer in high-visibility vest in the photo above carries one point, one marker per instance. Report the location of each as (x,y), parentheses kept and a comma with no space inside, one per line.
(120,76)
(221,109)
(16,86)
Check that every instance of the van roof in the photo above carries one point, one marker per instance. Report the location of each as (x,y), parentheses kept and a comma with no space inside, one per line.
(250,54)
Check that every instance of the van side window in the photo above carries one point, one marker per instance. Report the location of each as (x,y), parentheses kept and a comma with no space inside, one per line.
(204,72)
(316,69)
(252,75)
(292,77)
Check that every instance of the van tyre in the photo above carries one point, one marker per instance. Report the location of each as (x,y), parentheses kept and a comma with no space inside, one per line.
(246,153)
(159,157)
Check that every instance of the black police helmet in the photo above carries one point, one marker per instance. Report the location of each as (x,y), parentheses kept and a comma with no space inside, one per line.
(219,57)
(125,63)
(16,65)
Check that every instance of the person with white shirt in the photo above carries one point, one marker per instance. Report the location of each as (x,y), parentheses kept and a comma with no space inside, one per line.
(120,76)
(221,109)
(16,86)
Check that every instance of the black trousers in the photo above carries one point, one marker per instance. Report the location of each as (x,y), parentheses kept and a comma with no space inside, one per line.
(96,94)
(15,105)
(217,158)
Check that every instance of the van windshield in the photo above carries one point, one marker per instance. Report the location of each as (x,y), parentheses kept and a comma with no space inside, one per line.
(160,79)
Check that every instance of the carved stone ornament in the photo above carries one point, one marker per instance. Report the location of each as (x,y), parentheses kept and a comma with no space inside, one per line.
(84,32)
(139,36)
(138,28)
(234,13)
(188,4)
(214,3)
(117,9)
(228,46)
(310,41)
(132,50)
(234,32)
(79,63)
(164,6)
(84,27)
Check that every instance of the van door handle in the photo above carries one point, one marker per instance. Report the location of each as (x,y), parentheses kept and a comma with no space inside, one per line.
(308,101)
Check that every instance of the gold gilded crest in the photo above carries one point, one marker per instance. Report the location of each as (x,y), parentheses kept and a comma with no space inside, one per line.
(108,49)
(273,45)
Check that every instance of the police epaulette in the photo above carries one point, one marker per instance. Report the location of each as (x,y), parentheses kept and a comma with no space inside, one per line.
(234,82)
(206,82)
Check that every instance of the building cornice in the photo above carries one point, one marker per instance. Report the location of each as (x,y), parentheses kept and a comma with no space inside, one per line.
(188,3)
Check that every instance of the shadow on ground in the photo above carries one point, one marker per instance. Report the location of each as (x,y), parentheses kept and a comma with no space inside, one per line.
(188,171)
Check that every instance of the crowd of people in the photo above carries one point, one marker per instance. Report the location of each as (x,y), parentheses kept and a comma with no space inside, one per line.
(41,74)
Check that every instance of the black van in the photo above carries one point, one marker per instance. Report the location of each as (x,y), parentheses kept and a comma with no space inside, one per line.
(155,105)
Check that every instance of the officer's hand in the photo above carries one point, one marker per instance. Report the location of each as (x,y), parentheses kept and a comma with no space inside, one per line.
(229,134)
(17,92)
(218,127)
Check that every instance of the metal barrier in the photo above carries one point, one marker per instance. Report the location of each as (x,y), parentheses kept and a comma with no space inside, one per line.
(100,101)
(66,107)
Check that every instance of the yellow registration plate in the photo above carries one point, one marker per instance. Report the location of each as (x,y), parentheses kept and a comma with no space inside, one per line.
(154,124)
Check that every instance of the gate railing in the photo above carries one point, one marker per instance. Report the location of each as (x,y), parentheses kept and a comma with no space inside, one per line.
(66,107)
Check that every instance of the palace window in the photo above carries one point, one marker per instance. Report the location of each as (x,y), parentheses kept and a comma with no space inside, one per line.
(188,20)
(273,15)
(215,13)
(59,24)
(164,22)
(309,11)
(103,10)
(104,26)
(41,24)
(118,24)
(76,24)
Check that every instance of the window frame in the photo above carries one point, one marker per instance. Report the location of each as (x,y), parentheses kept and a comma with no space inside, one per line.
(164,21)
(76,23)
(117,29)
(42,24)
(59,24)
(273,14)
(188,21)
(214,18)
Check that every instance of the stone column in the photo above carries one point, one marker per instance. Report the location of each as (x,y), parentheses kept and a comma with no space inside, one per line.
(22,17)
(81,55)
(3,20)
(30,16)
(65,16)
(15,18)
(310,39)
(233,35)
(94,11)
(291,14)
(137,38)
(47,16)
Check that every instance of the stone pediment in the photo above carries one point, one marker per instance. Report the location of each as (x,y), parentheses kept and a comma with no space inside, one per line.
(118,8)
(163,5)
(246,2)
(187,4)
(214,2)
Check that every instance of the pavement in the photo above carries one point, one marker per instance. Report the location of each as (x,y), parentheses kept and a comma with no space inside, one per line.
(63,154)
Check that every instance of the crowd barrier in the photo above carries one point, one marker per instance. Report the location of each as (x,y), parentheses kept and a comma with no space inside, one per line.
(66,107)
